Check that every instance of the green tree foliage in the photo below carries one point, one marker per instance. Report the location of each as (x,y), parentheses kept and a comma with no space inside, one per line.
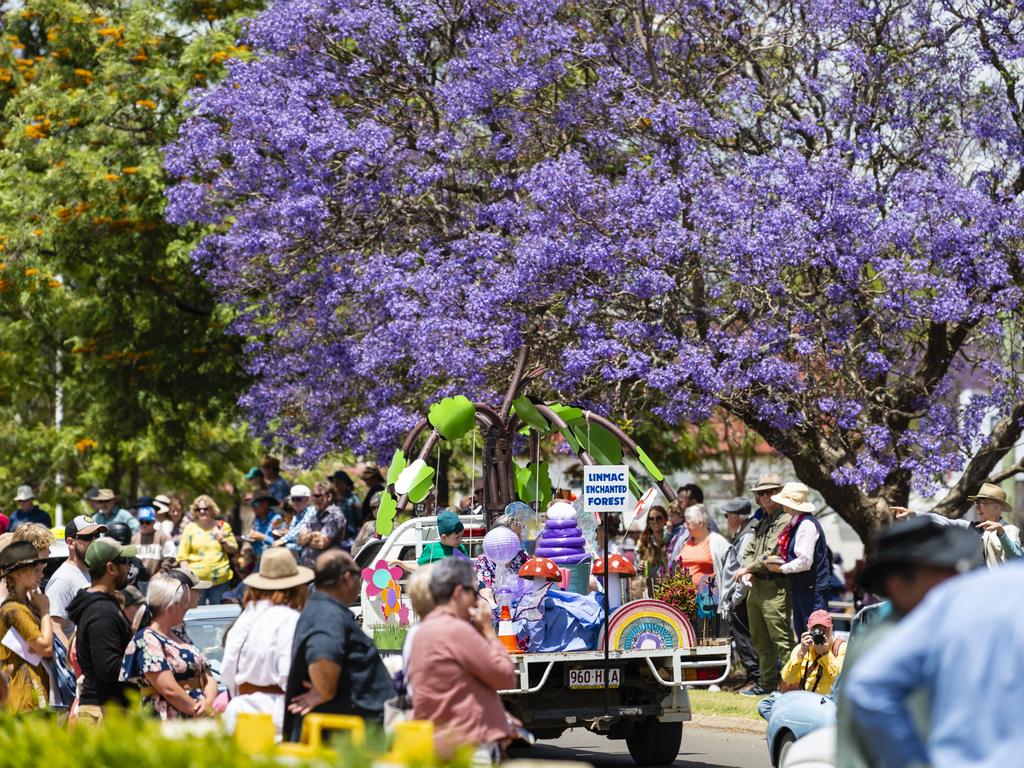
(97,295)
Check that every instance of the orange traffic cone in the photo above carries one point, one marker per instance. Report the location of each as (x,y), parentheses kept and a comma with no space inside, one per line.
(506,632)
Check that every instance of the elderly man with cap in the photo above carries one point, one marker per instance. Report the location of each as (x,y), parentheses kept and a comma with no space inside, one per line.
(103,630)
(28,511)
(105,510)
(910,558)
(732,604)
(1000,540)
(768,604)
(804,555)
(299,498)
(73,574)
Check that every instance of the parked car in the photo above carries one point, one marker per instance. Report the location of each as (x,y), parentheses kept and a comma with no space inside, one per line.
(207,625)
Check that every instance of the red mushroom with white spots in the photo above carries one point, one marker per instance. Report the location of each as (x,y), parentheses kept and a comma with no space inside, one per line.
(618,580)
(542,569)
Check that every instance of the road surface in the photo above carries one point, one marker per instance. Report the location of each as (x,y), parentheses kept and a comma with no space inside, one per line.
(702,748)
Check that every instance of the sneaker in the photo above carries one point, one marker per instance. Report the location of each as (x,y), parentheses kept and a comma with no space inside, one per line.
(755,690)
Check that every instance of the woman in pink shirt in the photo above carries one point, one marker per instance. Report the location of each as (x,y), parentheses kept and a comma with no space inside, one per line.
(457,665)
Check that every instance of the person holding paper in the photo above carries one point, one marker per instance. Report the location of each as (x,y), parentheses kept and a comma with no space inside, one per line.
(26,631)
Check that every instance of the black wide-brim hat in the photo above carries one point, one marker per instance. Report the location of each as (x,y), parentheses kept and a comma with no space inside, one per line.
(920,541)
(265,497)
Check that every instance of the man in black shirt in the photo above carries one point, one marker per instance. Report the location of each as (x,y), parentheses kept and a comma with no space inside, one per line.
(103,630)
(335,666)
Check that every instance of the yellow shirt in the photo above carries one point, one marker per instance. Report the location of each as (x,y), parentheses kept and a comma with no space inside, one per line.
(813,672)
(205,556)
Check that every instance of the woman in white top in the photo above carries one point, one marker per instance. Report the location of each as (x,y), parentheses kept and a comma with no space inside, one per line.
(258,647)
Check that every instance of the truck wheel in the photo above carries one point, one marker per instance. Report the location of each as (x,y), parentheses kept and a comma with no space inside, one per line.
(655,743)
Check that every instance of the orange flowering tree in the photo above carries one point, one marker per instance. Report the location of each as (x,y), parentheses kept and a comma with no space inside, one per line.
(98,301)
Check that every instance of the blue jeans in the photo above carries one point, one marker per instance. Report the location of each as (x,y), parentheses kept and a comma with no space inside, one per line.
(804,604)
(765,705)
(214,595)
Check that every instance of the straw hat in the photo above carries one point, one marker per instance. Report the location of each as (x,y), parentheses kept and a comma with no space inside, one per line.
(278,570)
(794,496)
(991,492)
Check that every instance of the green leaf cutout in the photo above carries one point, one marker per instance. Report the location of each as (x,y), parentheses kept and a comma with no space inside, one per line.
(526,484)
(398,463)
(649,465)
(569,413)
(599,443)
(528,412)
(386,514)
(452,417)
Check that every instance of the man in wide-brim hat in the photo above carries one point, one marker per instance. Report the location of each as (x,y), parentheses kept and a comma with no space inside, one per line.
(1000,540)
(768,602)
(911,557)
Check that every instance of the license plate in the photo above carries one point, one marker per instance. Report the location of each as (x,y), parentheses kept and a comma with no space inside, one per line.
(592,677)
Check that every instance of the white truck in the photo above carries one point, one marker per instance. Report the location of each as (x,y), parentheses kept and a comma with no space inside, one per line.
(646,698)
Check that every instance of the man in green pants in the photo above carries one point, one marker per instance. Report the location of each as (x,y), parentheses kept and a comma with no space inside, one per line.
(768,607)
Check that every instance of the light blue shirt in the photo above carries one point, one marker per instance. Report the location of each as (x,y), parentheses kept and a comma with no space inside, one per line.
(964,647)
(299,524)
(117,516)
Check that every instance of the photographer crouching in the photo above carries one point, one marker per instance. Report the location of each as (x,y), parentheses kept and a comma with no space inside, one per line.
(814,664)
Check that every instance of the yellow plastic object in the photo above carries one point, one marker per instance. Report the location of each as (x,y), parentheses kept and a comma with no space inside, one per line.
(254,732)
(413,742)
(311,741)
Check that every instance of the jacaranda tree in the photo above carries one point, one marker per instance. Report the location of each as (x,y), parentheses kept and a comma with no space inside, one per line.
(803,211)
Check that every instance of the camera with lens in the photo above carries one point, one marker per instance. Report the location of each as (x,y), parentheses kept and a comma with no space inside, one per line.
(818,636)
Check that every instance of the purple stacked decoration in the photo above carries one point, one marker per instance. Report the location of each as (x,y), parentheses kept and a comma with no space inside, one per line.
(562,541)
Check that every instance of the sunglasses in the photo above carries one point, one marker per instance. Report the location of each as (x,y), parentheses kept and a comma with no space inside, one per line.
(764,493)
(87,537)
(299,498)
(202,509)
(658,518)
(120,561)
(319,495)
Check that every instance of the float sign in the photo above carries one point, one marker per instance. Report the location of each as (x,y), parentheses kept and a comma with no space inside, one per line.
(606,489)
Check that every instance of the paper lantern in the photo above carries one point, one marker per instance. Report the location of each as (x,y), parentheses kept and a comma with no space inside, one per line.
(501,544)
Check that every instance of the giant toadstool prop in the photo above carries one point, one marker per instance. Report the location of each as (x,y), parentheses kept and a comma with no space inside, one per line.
(541,570)
(616,579)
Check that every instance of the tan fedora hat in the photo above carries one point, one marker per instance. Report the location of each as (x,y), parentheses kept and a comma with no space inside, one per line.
(991,492)
(794,496)
(767,482)
(278,570)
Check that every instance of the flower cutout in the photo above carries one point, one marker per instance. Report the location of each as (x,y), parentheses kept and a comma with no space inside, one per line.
(380,577)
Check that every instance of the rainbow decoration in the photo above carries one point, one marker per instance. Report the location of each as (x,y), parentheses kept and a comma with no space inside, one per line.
(648,625)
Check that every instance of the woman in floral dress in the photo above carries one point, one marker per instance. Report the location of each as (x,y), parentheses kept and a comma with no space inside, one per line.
(174,677)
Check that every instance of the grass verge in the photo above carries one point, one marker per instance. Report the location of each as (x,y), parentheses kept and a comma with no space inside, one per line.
(723,703)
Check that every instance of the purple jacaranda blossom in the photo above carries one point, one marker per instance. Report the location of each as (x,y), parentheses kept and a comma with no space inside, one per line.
(795,211)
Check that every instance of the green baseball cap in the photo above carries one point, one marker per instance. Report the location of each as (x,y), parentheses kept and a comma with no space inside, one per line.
(104,550)
(448,522)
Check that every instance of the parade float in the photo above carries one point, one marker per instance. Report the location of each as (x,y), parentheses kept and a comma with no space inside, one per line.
(588,652)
